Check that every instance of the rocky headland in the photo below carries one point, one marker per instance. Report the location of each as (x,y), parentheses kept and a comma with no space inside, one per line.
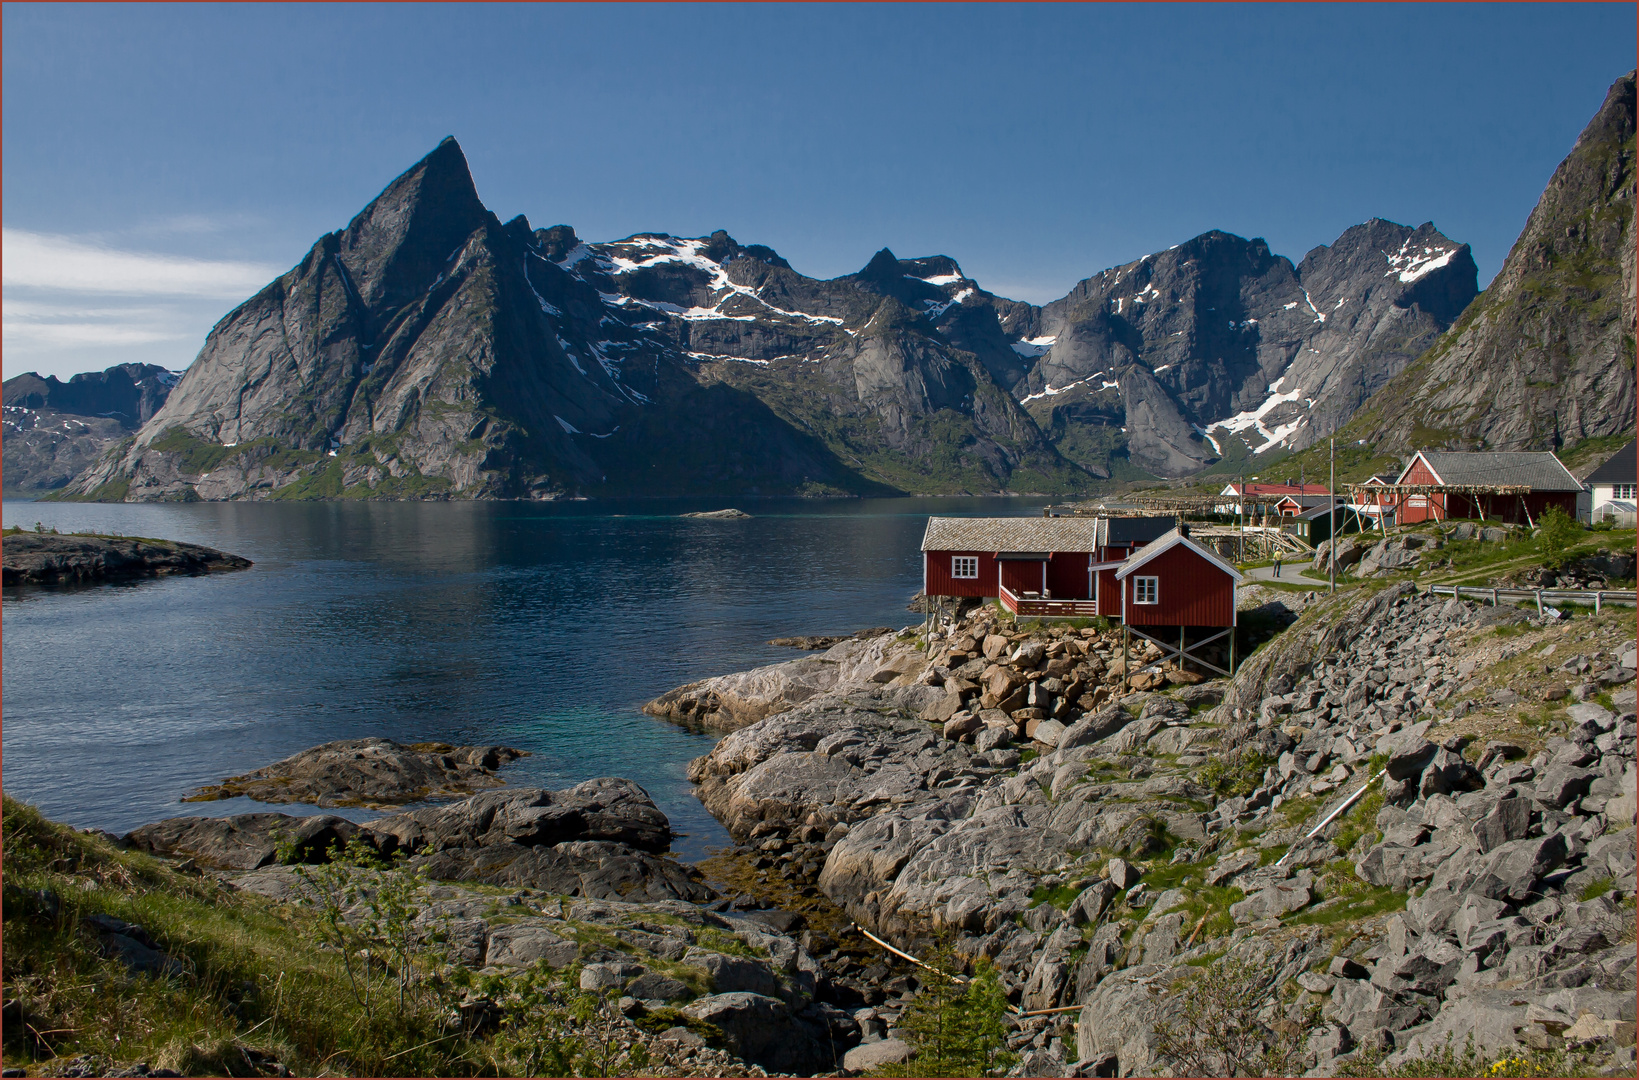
(40,558)
(372,772)
(1004,790)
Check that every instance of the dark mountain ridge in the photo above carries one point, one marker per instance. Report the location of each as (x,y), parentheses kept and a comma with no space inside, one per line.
(429,350)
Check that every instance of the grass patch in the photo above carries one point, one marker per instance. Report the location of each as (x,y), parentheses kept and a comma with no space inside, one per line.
(1364,904)
(1361,820)
(1209,906)
(252,982)
(1298,811)
(1598,888)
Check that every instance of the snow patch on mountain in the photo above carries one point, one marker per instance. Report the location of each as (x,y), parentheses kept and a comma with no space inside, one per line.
(1411,263)
(1253,420)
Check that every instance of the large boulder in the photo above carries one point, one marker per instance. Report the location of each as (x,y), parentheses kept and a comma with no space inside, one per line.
(243,841)
(370,772)
(608,809)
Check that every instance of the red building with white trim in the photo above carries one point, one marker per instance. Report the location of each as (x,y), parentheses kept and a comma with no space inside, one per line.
(1550,484)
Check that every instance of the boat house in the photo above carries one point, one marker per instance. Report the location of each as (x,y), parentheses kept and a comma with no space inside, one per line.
(1145,572)
(1511,486)
(1049,567)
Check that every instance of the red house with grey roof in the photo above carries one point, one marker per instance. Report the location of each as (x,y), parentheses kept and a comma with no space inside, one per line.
(1145,572)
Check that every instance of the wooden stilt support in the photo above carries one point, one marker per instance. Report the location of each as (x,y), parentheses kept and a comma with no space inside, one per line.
(1126,663)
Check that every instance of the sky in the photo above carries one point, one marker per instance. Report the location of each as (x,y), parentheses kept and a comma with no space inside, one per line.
(161,163)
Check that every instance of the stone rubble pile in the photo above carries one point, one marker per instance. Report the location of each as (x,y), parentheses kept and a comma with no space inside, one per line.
(1033,838)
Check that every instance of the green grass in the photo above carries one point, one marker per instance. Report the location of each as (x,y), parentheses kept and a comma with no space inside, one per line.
(1299,811)
(1210,903)
(253,977)
(1597,888)
(1060,896)
(1365,904)
(1361,819)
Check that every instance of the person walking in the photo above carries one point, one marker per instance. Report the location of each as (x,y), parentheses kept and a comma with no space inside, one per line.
(1277,566)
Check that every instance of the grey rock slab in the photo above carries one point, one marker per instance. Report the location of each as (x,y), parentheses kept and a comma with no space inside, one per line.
(373,772)
(867,1057)
(243,841)
(530,941)
(730,974)
(1276,900)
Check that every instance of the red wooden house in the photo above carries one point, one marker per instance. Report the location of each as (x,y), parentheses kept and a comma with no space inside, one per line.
(1145,572)
(1060,567)
(1548,482)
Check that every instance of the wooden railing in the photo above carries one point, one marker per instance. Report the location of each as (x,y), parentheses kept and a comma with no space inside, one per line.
(1034,608)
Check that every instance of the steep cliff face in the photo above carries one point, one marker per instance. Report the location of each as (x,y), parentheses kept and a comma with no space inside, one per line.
(1218,348)
(1545,358)
(430,351)
(55,430)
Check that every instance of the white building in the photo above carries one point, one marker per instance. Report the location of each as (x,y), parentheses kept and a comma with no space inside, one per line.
(1616,487)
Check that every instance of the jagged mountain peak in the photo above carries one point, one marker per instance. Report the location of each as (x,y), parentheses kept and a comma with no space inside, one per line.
(1544,359)
(399,243)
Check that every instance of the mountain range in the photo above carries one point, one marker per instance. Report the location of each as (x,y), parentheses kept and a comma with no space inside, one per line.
(431,350)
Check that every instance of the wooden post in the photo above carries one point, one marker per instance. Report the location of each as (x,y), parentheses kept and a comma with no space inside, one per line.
(1232,650)
(1180,648)
(1126,664)
(1597,597)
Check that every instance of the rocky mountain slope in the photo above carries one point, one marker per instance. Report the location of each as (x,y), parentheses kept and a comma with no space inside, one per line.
(1218,348)
(429,350)
(54,430)
(1545,359)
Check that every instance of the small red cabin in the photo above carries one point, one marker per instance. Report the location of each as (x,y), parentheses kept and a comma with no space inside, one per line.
(1173,581)
(1548,481)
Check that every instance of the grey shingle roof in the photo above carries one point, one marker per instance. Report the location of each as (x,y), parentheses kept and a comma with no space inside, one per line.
(1322,510)
(1135,530)
(1541,470)
(1011,534)
(1621,467)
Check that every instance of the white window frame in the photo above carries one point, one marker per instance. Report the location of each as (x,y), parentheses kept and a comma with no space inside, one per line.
(1624,491)
(964,567)
(1146,586)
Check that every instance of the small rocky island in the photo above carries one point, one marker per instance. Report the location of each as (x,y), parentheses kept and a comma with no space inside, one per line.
(718,515)
(372,772)
(48,558)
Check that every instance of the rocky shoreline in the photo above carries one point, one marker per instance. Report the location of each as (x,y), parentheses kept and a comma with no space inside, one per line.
(40,558)
(1001,789)
(1093,844)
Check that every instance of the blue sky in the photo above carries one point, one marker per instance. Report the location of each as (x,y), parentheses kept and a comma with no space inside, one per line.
(162,162)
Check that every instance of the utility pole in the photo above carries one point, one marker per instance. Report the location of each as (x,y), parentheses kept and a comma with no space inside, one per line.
(1331,515)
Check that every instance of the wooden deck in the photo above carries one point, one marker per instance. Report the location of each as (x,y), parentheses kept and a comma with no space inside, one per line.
(1033,607)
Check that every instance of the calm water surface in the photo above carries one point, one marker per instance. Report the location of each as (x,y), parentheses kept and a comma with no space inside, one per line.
(544,627)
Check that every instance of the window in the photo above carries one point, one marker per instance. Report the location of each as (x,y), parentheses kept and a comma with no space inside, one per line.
(964,566)
(1146,590)
(1625,491)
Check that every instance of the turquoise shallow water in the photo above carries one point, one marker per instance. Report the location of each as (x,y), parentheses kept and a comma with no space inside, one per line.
(544,627)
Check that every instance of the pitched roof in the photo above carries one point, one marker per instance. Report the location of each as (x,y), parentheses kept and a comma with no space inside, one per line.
(1166,543)
(1134,530)
(1540,469)
(1621,467)
(1011,534)
(1320,511)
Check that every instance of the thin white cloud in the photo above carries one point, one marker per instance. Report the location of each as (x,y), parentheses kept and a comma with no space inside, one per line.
(50,261)
(76,335)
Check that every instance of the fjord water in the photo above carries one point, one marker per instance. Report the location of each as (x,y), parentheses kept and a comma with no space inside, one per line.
(540,626)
